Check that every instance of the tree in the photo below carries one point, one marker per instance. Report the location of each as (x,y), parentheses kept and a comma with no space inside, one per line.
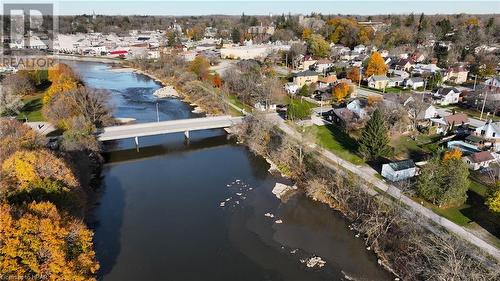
(39,242)
(317,46)
(199,66)
(374,142)
(354,74)
(63,79)
(236,35)
(376,65)
(493,200)
(18,84)
(304,91)
(454,154)
(435,80)
(216,81)
(306,33)
(340,91)
(14,136)
(444,182)
(10,104)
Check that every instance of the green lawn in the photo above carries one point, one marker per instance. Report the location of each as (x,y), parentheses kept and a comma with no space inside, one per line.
(299,108)
(408,147)
(337,141)
(234,100)
(32,108)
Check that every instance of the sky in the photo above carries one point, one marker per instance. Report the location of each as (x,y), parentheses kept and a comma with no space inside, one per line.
(262,7)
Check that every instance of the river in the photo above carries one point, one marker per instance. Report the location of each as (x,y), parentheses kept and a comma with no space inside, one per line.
(159,216)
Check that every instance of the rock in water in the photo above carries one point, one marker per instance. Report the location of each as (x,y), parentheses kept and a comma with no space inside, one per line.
(280,190)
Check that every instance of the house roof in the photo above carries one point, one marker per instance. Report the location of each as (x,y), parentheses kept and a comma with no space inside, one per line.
(323,61)
(480,157)
(456,119)
(328,79)
(402,165)
(379,77)
(416,79)
(306,73)
(445,91)
(396,79)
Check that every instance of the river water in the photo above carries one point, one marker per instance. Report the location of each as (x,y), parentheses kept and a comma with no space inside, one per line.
(160,217)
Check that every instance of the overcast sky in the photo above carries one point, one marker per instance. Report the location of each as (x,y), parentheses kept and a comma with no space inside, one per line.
(261,7)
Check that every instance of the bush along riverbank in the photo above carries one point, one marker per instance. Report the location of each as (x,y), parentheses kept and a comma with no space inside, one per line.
(191,81)
(402,241)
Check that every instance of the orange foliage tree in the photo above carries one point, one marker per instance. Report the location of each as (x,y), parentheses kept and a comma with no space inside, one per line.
(199,66)
(340,91)
(376,65)
(306,33)
(37,243)
(354,74)
(216,81)
(452,154)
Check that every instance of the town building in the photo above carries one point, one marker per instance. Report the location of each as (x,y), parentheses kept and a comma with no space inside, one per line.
(400,170)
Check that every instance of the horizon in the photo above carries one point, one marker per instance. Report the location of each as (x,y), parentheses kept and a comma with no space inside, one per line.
(274,8)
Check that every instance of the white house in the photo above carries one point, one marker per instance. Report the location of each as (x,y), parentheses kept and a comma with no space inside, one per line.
(359,49)
(291,88)
(322,65)
(425,68)
(262,106)
(446,96)
(400,73)
(357,107)
(395,81)
(479,160)
(400,170)
(490,132)
(415,83)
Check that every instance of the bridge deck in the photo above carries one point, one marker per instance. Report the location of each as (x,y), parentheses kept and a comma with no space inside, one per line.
(167,127)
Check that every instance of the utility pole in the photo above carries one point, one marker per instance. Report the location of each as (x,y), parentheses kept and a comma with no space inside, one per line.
(475,80)
(484,103)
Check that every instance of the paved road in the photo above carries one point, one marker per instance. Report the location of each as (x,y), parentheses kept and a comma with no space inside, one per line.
(367,173)
(166,127)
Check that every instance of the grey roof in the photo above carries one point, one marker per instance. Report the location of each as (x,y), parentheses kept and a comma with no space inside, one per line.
(396,79)
(306,73)
(417,79)
(402,165)
(380,77)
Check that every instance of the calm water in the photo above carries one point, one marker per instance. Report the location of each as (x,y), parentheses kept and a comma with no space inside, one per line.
(159,216)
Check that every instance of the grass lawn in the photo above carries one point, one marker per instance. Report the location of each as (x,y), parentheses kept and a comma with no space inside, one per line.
(234,100)
(408,147)
(32,108)
(473,212)
(337,141)
(299,108)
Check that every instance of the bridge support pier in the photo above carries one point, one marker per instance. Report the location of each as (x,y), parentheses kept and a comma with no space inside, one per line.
(136,140)
(186,134)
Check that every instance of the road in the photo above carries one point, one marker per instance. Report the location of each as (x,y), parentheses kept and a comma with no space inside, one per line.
(166,127)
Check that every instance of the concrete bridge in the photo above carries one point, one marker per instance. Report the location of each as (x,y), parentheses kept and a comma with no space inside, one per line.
(166,127)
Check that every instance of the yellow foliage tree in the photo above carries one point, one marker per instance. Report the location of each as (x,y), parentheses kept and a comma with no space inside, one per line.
(63,79)
(452,154)
(493,200)
(39,244)
(25,168)
(376,65)
(306,33)
(340,91)
(200,66)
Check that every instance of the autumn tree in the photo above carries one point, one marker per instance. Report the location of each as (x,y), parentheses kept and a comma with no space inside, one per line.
(216,81)
(15,136)
(63,79)
(38,242)
(354,74)
(340,91)
(18,84)
(200,67)
(376,65)
(317,46)
(454,154)
(374,141)
(306,33)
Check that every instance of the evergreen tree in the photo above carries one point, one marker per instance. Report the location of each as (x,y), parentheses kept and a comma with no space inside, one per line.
(374,140)
(236,35)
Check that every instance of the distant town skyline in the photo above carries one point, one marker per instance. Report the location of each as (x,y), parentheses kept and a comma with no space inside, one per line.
(260,7)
